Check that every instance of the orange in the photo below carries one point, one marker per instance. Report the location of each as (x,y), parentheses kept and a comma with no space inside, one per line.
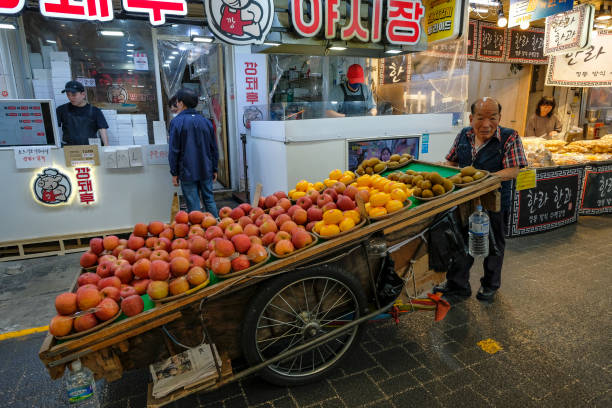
(329,182)
(393,205)
(335,174)
(379,199)
(332,217)
(317,227)
(346,224)
(364,181)
(298,194)
(378,211)
(329,230)
(302,185)
(353,214)
(319,186)
(398,194)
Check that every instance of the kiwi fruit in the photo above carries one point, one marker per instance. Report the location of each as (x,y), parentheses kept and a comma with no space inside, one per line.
(468,171)
(403,160)
(425,185)
(417,191)
(456,179)
(360,171)
(416,179)
(408,155)
(435,178)
(395,158)
(438,190)
(467,179)
(478,175)
(406,179)
(448,185)
(393,176)
(427,194)
(411,172)
(369,170)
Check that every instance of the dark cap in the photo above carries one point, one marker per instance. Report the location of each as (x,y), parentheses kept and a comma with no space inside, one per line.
(74,87)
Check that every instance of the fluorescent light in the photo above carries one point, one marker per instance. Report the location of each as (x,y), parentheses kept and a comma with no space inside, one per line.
(602,26)
(166,65)
(524,25)
(175,52)
(129,45)
(393,51)
(201,39)
(337,48)
(490,3)
(6,26)
(112,33)
(52,42)
(174,25)
(480,10)
(171,57)
(603,17)
(272,43)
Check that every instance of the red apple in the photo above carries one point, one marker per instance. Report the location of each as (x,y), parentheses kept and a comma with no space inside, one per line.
(111,292)
(224,212)
(180,243)
(156,227)
(244,221)
(124,273)
(141,230)
(196,276)
(268,238)
(224,248)
(88,259)
(159,255)
(85,322)
(233,229)
(314,214)
(132,305)
(141,268)
(333,193)
(324,199)
(108,309)
(66,303)
(282,235)
(178,285)
(88,278)
(300,238)
(60,326)
(128,254)
(141,285)
(213,232)
(110,242)
(304,202)
(179,266)
(225,222)
(209,221)
(285,203)
(241,242)
(143,253)
(257,253)
(236,213)
(271,201)
(160,271)
(127,291)
(255,213)
(313,195)
(276,211)
(240,263)
(96,245)
(197,260)
(181,217)
(110,281)
(220,265)
(88,297)
(198,245)
(195,217)
(280,194)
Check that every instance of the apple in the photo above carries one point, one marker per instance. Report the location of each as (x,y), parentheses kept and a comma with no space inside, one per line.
(124,273)
(285,203)
(313,195)
(118,250)
(198,245)
(255,213)
(88,278)
(364,195)
(255,240)
(196,231)
(96,245)
(135,242)
(240,263)
(141,285)
(257,253)
(224,248)
(132,305)
(225,222)
(143,253)
(261,203)
(195,217)
(276,211)
(283,247)
(300,216)
(141,230)
(178,285)
(160,271)
(282,235)
(232,230)
(339,187)
(111,292)
(162,244)
(225,212)
(271,201)
(244,221)
(288,226)
(110,242)
(268,226)
(209,221)
(236,213)
(314,214)
(246,207)
(110,281)
(262,218)
(88,297)
(167,233)
(268,238)
(85,322)
(141,268)
(60,325)
(66,303)
(156,227)
(241,242)
(221,265)
(179,266)
(304,202)
(197,260)
(293,209)
(324,199)
(300,238)
(196,276)
(351,192)
(181,230)
(88,259)
(128,254)
(181,217)
(310,226)
(107,258)
(127,291)
(213,232)
(179,243)
(333,193)
(280,194)
(108,309)
(329,206)
(159,255)
(345,203)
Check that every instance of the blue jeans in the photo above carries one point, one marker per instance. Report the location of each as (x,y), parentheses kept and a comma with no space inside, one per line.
(192,191)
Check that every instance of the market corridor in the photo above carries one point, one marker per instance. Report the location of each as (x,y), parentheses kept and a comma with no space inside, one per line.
(551,318)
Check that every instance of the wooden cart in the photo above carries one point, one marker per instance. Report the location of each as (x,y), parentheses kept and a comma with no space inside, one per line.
(292,319)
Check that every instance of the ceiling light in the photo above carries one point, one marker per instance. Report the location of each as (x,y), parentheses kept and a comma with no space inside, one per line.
(524,24)
(337,48)
(52,42)
(174,25)
(166,65)
(480,10)
(393,51)
(272,43)
(70,35)
(502,21)
(175,52)
(491,3)
(129,45)
(601,26)
(171,57)
(603,17)
(201,39)
(112,33)
(7,26)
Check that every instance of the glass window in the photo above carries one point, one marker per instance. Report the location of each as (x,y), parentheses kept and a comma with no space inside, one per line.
(118,71)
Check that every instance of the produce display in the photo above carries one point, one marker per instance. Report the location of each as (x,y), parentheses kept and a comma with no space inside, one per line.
(382,195)
(468,175)
(397,160)
(544,153)
(371,166)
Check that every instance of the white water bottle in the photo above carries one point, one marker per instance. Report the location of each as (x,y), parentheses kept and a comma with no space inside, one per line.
(81,386)
(479,233)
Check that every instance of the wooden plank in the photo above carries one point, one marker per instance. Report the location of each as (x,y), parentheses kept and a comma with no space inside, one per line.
(256,195)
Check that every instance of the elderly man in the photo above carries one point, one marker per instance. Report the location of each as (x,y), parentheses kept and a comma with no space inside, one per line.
(486,146)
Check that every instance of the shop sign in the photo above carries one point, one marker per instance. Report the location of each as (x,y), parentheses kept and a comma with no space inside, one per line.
(569,31)
(87,82)
(597,190)
(156,154)
(84,183)
(395,70)
(491,42)
(51,187)
(526,46)
(472,45)
(587,67)
(547,8)
(241,22)
(402,25)
(552,203)
(251,87)
(28,157)
(78,155)
(11,6)
(526,179)
(444,19)
(520,11)
(141,63)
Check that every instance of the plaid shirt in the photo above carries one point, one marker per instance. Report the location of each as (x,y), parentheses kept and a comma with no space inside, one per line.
(514,154)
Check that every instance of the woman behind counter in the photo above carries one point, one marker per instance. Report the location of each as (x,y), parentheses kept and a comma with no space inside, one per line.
(544,122)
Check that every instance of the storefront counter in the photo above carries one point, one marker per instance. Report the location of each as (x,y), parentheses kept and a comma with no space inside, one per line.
(122,197)
(280,153)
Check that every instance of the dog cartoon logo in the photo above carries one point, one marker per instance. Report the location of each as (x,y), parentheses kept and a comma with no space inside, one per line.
(52,187)
(240,22)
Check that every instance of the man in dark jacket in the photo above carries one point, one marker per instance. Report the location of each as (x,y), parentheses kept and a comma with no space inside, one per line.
(193,154)
(486,146)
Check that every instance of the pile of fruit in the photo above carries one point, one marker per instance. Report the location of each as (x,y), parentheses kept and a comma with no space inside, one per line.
(381,195)
(468,174)
(397,160)
(425,184)
(370,166)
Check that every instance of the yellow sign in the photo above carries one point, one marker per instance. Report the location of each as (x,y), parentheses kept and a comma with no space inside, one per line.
(444,19)
(81,154)
(526,180)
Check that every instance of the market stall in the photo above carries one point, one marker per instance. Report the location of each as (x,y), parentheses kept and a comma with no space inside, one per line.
(229,312)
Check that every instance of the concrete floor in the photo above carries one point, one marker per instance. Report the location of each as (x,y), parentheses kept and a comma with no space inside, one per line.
(552,317)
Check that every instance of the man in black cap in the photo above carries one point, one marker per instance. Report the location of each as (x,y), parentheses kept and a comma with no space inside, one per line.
(78,119)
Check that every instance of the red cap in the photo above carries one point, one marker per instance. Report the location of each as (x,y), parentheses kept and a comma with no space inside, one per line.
(355,74)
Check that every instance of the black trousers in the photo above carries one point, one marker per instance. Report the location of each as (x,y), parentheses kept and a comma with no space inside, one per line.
(459,273)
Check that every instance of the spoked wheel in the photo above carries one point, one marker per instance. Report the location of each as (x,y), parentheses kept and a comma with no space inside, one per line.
(294,309)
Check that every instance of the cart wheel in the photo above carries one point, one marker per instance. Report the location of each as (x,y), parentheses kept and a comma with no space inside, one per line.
(295,308)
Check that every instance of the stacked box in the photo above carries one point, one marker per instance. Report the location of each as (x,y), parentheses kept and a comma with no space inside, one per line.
(125,132)
(160,135)
(140,130)
(60,74)
(36,60)
(42,89)
(111,118)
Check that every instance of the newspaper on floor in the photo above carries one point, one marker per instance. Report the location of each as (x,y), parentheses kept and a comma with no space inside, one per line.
(181,370)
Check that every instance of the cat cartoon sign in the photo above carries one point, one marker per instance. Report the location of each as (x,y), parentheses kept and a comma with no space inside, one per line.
(240,22)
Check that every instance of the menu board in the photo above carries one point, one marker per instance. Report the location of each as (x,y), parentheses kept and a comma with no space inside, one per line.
(552,203)
(597,189)
(472,39)
(395,70)
(526,46)
(26,122)
(569,31)
(491,42)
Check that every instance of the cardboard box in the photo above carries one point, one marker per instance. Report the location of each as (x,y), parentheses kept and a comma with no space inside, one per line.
(36,60)
(123,158)
(40,73)
(61,69)
(59,56)
(110,158)
(136,159)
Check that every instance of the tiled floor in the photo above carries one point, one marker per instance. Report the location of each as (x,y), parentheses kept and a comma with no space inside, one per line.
(551,317)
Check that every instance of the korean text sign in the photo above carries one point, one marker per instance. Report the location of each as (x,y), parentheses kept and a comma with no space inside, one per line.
(251,88)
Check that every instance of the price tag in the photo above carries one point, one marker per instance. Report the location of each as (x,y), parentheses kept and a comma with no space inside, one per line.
(526,180)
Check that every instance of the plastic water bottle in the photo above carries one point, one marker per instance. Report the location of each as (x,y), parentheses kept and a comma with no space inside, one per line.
(479,233)
(81,387)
